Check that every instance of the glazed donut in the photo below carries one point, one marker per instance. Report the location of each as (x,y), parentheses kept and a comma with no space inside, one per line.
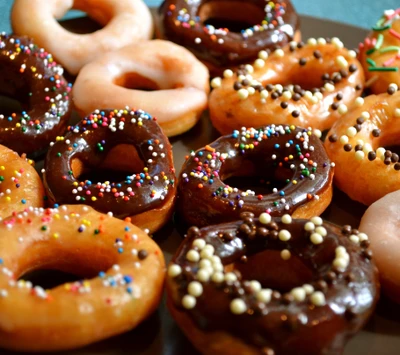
(217,286)
(128,265)
(380,52)
(126,22)
(381,222)
(30,75)
(292,161)
(125,141)
(121,78)
(307,85)
(365,170)
(20,184)
(270,25)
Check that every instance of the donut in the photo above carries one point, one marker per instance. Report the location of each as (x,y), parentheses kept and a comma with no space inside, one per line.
(291,162)
(381,221)
(131,149)
(20,184)
(264,25)
(380,53)
(306,84)
(162,78)
(365,169)
(123,269)
(272,286)
(125,23)
(30,75)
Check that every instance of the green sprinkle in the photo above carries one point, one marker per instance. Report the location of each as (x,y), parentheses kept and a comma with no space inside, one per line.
(379,41)
(70,172)
(44,228)
(1,178)
(371,62)
(381,21)
(276,203)
(370,51)
(390,49)
(383,69)
(58,154)
(381,28)
(96,231)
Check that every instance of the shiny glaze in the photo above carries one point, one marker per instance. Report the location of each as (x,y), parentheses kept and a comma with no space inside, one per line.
(208,204)
(282,325)
(29,75)
(151,188)
(237,48)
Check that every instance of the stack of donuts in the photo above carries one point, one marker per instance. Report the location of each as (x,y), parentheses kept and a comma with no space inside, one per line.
(259,271)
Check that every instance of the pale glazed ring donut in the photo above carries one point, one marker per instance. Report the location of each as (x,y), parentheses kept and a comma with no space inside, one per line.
(307,85)
(365,170)
(180,79)
(129,265)
(20,184)
(125,22)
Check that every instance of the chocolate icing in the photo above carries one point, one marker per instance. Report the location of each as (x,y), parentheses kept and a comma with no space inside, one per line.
(29,75)
(281,23)
(210,204)
(282,325)
(90,141)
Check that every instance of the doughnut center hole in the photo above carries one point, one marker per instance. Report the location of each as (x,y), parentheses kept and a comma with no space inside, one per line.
(268,268)
(81,21)
(224,14)
(260,185)
(135,81)
(49,279)
(10,105)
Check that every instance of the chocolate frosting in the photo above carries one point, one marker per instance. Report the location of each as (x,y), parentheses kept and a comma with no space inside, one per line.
(179,21)
(30,75)
(90,142)
(290,154)
(283,324)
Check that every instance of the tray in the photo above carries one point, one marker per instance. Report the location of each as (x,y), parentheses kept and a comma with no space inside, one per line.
(159,335)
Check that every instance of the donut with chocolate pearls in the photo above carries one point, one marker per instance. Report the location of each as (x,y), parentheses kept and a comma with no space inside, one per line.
(290,160)
(122,270)
(307,84)
(30,75)
(366,170)
(131,146)
(272,286)
(20,184)
(271,25)
(380,52)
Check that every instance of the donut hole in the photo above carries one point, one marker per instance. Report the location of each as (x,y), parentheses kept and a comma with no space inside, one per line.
(49,279)
(79,22)
(135,81)
(10,105)
(224,14)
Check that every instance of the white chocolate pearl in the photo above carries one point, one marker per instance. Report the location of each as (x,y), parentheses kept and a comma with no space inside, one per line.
(359,155)
(321,41)
(318,299)
(367,148)
(251,90)
(264,94)
(337,42)
(380,152)
(230,277)
(321,230)
(199,243)
(203,275)
(193,255)
(174,270)
(352,54)
(299,294)
(359,101)
(263,55)
(342,62)
(340,250)
(188,302)
(228,73)
(365,115)
(329,87)
(216,82)
(342,109)
(285,254)
(316,238)
(279,53)
(344,139)
(309,226)
(394,86)
(265,218)
(259,63)
(217,277)
(284,235)
(318,133)
(286,219)
(243,94)
(317,221)
(255,286)
(351,131)
(249,68)
(205,263)
(354,239)
(397,112)
(287,95)
(340,263)
(308,288)
(362,237)
(264,295)
(312,42)
(195,289)
(238,306)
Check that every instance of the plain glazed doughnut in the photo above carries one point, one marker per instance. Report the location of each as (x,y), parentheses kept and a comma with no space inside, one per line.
(30,75)
(125,22)
(381,223)
(128,141)
(380,52)
(20,184)
(308,85)
(365,169)
(272,24)
(291,160)
(123,267)
(223,284)
(121,78)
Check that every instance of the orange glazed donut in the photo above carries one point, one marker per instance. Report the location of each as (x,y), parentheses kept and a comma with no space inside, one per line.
(380,52)
(305,85)
(126,22)
(75,239)
(20,184)
(365,170)
(116,79)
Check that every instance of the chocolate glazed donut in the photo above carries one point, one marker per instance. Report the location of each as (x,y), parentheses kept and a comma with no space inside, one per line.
(287,155)
(272,25)
(30,75)
(114,141)
(323,286)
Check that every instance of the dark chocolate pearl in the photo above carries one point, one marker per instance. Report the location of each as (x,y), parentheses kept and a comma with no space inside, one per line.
(269,87)
(245,82)
(365,243)
(347,147)
(276,295)
(346,230)
(387,161)
(317,54)
(193,232)
(350,277)
(394,158)
(358,147)
(284,104)
(244,215)
(337,78)
(330,277)
(300,45)
(245,229)
(333,138)
(228,236)
(352,68)
(287,298)
(358,87)
(302,61)
(376,132)
(296,97)
(237,86)
(297,89)
(321,285)
(343,73)
(391,90)
(243,259)
(355,231)
(273,226)
(371,156)
(367,253)
(357,127)
(339,96)
(325,77)
(296,113)
(360,120)
(335,106)
(267,351)
(274,95)
(142,254)
(273,234)
(262,232)
(397,166)
(388,154)
(248,220)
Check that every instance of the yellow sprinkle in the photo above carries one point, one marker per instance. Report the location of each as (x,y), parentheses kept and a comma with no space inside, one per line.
(292,127)
(294,182)
(67,287)
(33,69)
(56,235)
(57,216)
(94,198)
(192,173)
(146,169)
(165,178)
(18,125)
(2,167)
(8,198)
(290,157)
(148,177)
(251,146)
(140,124)
(205,178)
(75,183)
(12,56)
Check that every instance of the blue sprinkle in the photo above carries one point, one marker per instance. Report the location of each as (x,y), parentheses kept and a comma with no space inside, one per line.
(276,146)
(128,279)
(129,290)
(56,205)
(23,201)
(282,193)
(127,229)
(102,274)
(120,250)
